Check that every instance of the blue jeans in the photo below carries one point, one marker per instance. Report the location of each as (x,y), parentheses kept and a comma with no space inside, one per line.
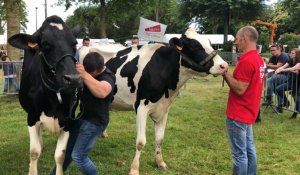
(280,91)
(80,143)
(240,136)
(10,80)
(274,81)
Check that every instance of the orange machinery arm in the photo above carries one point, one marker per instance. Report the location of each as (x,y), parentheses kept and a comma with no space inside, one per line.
(273,27)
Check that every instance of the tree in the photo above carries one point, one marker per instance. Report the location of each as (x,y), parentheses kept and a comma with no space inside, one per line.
(216,13)
(166,12)
(13,17)
(121,23)
(292,9)
(102,7)
(88,19)
(291,40)
(13,24)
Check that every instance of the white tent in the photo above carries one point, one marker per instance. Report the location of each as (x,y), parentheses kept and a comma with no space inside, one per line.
(96,41)
(215,39)
(3,39)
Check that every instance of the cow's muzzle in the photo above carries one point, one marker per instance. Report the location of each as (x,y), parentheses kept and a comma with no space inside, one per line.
(73,80)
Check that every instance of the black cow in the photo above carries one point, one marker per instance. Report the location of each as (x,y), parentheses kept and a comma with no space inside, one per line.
(149,77)
(49,84)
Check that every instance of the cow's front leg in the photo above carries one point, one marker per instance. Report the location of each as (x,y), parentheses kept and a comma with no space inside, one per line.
(35,147)
(141,120)
(159,137)
(60,151)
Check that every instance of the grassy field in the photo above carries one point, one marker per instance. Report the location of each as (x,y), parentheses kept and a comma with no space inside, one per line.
(195,140)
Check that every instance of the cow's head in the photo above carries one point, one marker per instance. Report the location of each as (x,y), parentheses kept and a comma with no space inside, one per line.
(197,53)
(56,47)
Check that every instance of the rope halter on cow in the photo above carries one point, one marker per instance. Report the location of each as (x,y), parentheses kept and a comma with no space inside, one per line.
(49,79)
(200,65)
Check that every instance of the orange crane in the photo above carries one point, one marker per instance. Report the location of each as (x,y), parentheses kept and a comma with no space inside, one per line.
(272,28)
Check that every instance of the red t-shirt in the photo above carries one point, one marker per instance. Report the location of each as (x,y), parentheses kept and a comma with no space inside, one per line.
(249,69)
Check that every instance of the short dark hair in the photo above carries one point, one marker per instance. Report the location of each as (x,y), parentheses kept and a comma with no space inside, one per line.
(86,39)
(93,61)
(278,46)
(3,57)
(135,37)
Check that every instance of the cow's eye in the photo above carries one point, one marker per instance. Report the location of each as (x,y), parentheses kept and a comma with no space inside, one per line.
(46,45)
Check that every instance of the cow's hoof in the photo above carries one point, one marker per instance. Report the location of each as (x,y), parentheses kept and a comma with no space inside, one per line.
(104,135)
(133,172)
(163,166)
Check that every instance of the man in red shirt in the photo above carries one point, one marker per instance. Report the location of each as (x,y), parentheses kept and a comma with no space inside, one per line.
(245,85)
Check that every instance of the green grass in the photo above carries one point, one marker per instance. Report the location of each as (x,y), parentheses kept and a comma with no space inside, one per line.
(195,140)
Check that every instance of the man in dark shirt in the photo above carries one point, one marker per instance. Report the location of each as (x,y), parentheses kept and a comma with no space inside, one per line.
(278,59)
(97,94)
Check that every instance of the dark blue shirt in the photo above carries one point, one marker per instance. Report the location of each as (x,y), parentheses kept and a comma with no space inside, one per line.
(283,58)
(8,68)
(96,109)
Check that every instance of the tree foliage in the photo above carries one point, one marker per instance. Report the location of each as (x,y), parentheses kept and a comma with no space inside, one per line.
(286,13)
(291,40)
(216,15)
(88,19)
(121,23)
(3,15)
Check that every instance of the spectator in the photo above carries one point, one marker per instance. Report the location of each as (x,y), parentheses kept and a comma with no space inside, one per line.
(135,40)
(243,104)
(10,75)
(292,66)
(278,59)
(97,94)
(2,50)
(86,43)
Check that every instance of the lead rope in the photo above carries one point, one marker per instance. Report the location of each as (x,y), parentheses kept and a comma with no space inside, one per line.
(223,82)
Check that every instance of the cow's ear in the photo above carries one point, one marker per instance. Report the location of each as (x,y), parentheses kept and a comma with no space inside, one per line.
(76,30)
(176,43)
(22,41)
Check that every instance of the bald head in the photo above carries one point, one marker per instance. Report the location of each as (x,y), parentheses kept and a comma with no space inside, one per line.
(250,32)
(246,39)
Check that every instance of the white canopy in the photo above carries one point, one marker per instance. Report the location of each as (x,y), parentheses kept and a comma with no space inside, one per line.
(214,38)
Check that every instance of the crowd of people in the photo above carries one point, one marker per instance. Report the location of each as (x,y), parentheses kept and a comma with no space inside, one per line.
(283,76)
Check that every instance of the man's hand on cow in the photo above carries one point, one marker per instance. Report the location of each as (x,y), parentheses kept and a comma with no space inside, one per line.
(80,69)
(224,70)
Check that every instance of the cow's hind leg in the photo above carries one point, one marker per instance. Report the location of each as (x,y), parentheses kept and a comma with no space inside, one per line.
(35,147)
(141,120)
(159,127)
(60,151)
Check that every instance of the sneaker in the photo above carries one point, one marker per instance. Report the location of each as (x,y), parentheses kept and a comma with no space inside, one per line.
(293,116)
(279,109)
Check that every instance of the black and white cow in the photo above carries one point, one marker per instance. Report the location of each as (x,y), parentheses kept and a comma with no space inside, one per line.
(149,77)
(48,84)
